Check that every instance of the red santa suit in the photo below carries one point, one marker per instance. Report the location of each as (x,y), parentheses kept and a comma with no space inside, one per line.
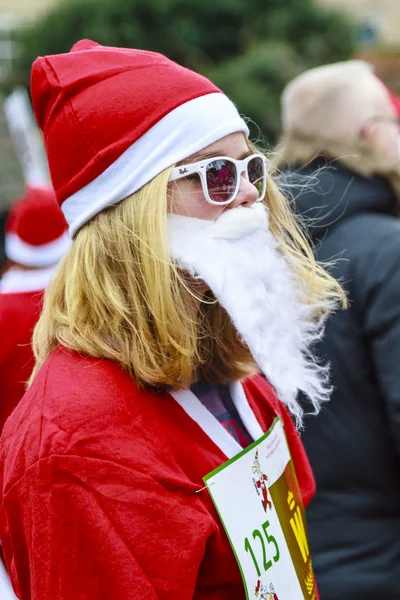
(20,304)
(36,238)
(101,487)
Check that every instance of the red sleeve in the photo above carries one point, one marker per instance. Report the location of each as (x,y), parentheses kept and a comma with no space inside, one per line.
(96,530)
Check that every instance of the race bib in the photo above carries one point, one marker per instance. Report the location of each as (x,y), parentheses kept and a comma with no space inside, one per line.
(258,499)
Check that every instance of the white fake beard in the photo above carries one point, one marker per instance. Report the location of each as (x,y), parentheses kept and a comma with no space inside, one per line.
(238,258)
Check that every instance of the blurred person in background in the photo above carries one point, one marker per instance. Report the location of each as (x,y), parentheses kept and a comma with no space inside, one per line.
(340,153)
(36,237)
(146,377)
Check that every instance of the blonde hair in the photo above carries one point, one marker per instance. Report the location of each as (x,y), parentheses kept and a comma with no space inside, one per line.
(298,150)
(118,295)
(332,101)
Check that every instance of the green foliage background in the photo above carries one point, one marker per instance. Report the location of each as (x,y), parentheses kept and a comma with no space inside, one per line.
(250,48)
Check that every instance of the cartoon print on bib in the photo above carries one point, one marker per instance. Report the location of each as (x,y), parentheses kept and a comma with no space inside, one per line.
(260,483)
(262,592)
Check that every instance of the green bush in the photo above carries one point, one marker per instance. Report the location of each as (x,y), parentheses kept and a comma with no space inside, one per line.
(250,48)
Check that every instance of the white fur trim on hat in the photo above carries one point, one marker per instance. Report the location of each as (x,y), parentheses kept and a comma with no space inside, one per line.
(42,255)
(18,281)
(187,129)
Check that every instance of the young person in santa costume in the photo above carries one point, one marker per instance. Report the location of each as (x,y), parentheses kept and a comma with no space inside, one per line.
(187,276)
(35,240)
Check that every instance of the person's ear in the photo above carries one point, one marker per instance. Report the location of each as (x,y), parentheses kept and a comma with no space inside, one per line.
(366,131)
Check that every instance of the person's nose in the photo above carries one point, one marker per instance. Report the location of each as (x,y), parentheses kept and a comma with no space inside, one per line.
(247,194)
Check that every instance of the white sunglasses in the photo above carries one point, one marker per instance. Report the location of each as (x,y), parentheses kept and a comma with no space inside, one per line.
(220,176)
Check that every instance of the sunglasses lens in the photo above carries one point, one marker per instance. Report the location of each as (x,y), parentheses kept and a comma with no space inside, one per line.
(221,180)
(256,173)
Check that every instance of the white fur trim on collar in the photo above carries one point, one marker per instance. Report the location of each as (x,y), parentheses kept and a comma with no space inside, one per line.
(29,255)
(245,412)
(212,427)
(182,132)
(207,422)
(16,280)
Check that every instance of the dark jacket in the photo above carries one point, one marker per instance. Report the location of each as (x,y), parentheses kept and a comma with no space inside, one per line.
(354,443)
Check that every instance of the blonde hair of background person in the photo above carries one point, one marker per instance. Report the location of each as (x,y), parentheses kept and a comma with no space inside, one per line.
(341,111)
(118,295)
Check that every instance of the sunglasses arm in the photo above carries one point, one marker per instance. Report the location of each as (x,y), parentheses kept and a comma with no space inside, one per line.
(186,170)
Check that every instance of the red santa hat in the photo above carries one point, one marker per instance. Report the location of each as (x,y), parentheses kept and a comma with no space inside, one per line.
(395,102)
(394,98)
(114,118)
(36,230)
